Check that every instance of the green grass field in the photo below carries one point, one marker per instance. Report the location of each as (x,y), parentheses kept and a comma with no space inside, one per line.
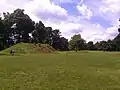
(75,71)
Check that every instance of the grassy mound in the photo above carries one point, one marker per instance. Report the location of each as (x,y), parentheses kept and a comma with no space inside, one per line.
(24,48)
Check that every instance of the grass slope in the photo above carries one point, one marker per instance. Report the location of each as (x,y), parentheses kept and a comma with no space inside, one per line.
(23,48)
(75,71)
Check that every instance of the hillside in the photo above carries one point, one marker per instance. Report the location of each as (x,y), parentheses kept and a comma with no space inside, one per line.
(25,48)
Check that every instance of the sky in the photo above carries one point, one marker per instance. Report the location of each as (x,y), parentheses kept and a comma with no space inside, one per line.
(95,20)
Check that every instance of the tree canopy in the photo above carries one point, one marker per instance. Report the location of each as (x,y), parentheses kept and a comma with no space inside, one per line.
(18,27)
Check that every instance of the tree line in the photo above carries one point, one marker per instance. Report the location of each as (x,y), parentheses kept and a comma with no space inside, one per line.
(18,27)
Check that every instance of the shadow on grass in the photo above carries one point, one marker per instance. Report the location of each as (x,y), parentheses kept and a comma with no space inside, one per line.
(4,54)
(84,51)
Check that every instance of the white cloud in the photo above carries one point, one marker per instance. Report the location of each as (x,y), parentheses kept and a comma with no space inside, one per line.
(64,1)
(45,10)
(112,6)
(66,28)
(89,34)
(110,10)
(4,7)
(17,3)
(84,10)
(107,9)
(57,17)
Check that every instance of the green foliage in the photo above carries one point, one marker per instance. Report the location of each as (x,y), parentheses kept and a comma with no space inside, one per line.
(90,45)
(72,42)
(117,42)
(2,35)
(77,43)
(18,27)
(39,32)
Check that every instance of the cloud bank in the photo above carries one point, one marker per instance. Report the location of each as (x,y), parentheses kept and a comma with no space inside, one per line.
(94,20)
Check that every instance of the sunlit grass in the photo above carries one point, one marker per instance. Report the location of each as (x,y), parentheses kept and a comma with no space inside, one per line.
(73,71)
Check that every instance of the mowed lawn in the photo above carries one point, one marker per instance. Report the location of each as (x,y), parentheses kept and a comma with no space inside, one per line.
(74,71)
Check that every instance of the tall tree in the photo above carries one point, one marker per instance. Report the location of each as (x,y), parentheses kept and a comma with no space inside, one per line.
(2,35)
(63,44)
(48,35)
(39,32)
(73,42)
(103,45)
(90,45)
(56,38)
(81,44)
(116,41)
(111,46)
(8,21)
(97,46)
(24,25)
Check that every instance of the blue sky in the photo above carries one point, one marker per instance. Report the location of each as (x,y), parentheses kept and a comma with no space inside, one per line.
(95,20)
